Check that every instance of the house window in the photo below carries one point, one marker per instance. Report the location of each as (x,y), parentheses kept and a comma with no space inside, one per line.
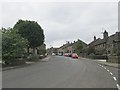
(103,45)
(108,52)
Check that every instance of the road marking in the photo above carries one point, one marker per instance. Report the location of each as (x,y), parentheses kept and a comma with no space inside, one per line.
(108,70)
(118,86)
(111,73)
(104,67)
(115,78)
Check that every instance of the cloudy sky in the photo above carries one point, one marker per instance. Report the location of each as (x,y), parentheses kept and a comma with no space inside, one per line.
(64,21)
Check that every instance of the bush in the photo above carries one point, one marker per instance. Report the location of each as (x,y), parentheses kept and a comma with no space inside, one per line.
(12,47)
(13,62)
(33,57)
(98,57)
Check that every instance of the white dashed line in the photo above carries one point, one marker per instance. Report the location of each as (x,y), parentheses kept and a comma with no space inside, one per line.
(111,73)
(104,67)
(118,86)
(108,70)
(115,78)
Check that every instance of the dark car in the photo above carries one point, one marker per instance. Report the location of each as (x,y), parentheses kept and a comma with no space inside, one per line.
(70,54)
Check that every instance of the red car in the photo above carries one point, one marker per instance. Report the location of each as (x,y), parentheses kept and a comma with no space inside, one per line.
(74,55)
(66,54)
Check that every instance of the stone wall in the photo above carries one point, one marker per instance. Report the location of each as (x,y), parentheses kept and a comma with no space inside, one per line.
(114,59)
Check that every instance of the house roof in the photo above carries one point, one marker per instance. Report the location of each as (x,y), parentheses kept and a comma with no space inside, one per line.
(72,44)
(104,40)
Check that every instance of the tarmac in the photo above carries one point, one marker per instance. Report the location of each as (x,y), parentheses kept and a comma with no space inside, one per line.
(116,65)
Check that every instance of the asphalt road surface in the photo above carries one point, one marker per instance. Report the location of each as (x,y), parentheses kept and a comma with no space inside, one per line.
(62,72)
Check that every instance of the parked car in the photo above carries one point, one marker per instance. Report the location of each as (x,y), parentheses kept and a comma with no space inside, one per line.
(41,56)
(53,54)
(74,55)
(70,54)
(66,54)
(59,54)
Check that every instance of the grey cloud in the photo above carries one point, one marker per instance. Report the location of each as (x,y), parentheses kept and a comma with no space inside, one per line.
(65,21)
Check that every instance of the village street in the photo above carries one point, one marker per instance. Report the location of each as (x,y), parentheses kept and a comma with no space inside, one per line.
(62,72)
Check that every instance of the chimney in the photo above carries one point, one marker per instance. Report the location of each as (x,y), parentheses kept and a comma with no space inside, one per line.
(105,34)
(94,38)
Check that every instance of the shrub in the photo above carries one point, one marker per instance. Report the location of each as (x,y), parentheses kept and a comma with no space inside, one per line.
(12,46)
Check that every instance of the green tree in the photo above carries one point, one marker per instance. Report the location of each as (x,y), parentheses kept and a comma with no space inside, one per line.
(91,50)
(78,47)
(42,49)
(13,46)
(32,31)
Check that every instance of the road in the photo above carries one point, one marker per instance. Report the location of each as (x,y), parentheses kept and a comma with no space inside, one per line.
(62,72)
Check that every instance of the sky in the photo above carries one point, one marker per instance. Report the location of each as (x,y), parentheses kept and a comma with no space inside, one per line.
(64,21)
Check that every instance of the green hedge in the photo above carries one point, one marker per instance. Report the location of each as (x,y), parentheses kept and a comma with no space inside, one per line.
(13,63)
(33,57)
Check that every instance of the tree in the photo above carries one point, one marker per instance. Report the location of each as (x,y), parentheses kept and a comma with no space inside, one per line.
(78,47)
(91,50)
(42,49)
(32,31)
(13,46)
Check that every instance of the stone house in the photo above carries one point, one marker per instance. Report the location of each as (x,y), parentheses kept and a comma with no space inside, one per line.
(107,45)
(113,43)
(70,47)
(38,50)
(52,50)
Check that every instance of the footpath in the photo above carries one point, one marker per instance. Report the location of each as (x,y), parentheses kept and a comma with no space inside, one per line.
(28,63)
(103,62)
(116,65)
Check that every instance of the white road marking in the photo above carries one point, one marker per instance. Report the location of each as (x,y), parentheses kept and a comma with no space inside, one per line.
(104,67)
(115,78)
(108,70)
(111,73)
(118,86)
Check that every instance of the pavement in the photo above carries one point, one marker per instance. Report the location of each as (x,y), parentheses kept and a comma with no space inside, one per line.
(45,59)
(62,72)
(103,61)
(116,65)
